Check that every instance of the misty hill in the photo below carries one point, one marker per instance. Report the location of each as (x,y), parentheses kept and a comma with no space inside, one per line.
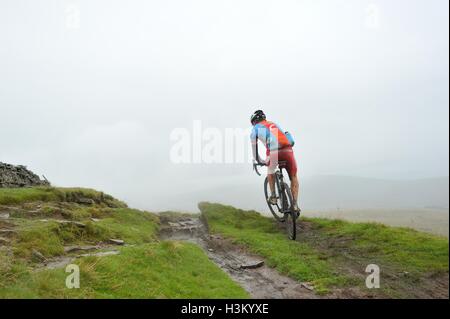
(331,192)
(356,192)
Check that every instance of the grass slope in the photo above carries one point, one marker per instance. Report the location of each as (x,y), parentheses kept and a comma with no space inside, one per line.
(145,268)
(156,270)
(334,253)
(404,248)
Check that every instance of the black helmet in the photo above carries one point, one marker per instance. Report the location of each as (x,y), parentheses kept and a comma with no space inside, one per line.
(257,117)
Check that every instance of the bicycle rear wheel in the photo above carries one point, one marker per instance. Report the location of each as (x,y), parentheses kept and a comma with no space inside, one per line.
(276,210)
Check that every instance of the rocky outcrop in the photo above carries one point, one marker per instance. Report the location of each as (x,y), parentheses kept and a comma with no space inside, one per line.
(19,176)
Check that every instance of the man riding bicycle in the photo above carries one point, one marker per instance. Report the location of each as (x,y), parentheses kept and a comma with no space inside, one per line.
(278,149)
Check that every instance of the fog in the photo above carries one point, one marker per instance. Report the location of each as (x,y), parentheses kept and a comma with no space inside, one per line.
(91,90)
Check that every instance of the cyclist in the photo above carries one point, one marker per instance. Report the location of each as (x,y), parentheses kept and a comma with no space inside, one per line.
(278,148)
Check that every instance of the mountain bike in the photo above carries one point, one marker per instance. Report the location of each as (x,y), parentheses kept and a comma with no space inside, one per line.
(282,211)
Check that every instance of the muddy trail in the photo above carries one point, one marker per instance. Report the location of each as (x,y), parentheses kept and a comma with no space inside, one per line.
(248,270)
(261,281)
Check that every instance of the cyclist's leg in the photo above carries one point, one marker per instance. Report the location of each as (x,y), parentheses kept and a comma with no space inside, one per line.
(295,190)
(291,167)
(294,187)
(273,162)
(273,198)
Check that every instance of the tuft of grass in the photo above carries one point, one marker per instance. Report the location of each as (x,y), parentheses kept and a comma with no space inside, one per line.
(155,270)
(9,196)
(261,236)
(49,238)
(131,225)
(42,237)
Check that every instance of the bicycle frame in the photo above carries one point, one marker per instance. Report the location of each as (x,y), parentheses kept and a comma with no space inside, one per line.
(279,179)
(279,184)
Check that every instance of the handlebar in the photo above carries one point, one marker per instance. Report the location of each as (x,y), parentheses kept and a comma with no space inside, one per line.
(255,167)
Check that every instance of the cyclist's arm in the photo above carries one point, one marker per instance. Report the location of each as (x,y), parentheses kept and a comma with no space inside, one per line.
(254,142)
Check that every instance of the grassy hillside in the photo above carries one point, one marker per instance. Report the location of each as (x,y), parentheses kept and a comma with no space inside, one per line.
(44,229)
(40,224)
(334,254)
(430,220)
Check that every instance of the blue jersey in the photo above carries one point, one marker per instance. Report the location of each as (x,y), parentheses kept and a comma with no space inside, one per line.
(272,136)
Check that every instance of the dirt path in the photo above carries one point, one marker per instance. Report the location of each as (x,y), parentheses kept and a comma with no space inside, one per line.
(258,280)
(261,281)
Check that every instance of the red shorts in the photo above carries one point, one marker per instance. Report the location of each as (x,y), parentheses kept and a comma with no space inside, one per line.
(285,155)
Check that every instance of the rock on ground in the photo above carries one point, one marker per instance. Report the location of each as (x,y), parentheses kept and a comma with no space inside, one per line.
(19,176)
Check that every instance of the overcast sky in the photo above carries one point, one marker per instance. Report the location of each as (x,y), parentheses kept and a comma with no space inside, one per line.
(90,90)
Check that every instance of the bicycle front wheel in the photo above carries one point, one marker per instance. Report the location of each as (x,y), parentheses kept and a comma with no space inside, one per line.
(276,210)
